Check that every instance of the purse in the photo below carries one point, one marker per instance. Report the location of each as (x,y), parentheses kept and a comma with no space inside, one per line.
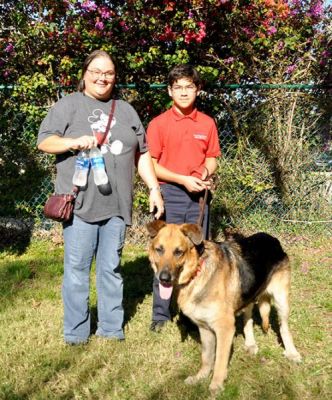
(60,207)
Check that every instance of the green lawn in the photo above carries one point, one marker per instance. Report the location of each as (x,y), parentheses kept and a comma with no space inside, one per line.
(35,363)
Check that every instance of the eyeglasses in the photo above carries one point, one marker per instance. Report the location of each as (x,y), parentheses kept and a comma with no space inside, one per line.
(98,74)
(189,88)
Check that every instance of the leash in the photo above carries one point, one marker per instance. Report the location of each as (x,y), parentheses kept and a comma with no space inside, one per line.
(202,204)
(203,199)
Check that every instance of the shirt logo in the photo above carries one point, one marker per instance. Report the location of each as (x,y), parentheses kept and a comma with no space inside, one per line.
(200,136)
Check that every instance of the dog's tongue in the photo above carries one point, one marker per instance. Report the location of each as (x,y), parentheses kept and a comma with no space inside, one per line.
(165,291)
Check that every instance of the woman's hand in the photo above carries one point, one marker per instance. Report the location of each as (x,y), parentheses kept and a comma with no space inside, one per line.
(85,142)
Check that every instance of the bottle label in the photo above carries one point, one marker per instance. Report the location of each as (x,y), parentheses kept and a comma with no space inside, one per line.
(97,162)
(82,163)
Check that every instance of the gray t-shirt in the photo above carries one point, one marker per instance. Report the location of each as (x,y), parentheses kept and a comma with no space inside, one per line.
(77,114)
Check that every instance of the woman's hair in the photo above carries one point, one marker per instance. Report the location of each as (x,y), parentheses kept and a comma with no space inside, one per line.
(186,71)
(87,62)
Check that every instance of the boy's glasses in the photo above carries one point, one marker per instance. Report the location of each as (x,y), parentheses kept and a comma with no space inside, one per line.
(189,88)
(98,74)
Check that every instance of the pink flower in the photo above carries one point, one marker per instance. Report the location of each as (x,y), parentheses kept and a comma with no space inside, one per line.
(272,30)
(248,32)
(89,5)
(229,60)
(124,26)
(105,13)
(9,48)
(290,69)
(316,10)
(326,54)
(99,25)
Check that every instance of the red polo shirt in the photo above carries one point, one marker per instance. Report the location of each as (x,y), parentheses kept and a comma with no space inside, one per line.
(181,143)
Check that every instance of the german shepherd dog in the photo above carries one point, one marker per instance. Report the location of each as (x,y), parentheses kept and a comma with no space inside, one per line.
(216,281)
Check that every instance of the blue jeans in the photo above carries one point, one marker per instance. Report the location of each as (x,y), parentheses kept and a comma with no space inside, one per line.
(83,241)
(180,207)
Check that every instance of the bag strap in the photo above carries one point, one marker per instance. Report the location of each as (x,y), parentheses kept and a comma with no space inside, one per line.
(110,117)
(75,191)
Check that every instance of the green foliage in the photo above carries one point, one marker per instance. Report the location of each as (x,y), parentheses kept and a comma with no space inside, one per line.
(43,45)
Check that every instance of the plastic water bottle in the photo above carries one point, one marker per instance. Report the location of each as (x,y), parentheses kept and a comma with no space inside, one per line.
(82,166)
(99,174)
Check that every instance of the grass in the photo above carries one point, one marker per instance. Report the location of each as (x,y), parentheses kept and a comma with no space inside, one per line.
(35,363)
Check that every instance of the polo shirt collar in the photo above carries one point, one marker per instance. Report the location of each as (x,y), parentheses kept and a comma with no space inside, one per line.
(178,117)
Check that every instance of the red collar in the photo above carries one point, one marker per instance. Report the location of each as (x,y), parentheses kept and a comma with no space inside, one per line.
(199,268)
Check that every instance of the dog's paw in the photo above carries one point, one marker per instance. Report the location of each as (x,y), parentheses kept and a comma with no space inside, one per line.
(191,380)
(252,349)
(215,388)
(293,356)
(202,374)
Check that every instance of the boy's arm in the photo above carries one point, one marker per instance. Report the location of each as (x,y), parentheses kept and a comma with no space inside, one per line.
(211,165)
(191,183)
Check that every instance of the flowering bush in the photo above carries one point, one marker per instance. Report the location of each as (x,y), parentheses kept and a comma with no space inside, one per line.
(270,41)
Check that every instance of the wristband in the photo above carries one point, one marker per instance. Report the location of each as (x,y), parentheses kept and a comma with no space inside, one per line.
(154,188)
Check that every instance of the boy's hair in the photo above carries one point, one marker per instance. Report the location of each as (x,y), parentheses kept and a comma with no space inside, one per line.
(184,71)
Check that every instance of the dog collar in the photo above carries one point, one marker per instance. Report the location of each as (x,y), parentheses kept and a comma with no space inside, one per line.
(199,268)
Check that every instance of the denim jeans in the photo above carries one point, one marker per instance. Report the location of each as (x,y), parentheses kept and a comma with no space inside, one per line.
(180,207)
(83,241)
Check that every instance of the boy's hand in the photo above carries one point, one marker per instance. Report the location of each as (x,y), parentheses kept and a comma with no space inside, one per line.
(193,184)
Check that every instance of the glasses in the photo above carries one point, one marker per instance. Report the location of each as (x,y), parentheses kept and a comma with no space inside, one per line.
(189,88)
(98,74)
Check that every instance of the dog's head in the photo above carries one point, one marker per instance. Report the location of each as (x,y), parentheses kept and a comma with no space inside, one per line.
(173,251)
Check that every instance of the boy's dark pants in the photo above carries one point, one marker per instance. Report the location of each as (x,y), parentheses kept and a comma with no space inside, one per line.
(180,207)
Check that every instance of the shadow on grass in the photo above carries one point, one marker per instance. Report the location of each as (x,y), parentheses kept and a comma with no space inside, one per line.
(137,283)
(18,275)
(15,235)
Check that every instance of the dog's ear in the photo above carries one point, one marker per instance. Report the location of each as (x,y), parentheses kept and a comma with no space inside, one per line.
(193,232)
(154,227)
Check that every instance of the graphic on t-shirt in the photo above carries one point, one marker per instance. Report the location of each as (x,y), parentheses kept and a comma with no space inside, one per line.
(98,122)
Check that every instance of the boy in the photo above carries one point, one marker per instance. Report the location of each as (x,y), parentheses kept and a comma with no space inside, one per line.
(183,143)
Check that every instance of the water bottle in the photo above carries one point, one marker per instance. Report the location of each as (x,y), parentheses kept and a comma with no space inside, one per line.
(82,165)
(99,174)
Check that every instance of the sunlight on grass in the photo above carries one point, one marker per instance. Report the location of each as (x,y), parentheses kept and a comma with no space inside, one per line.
(36,364)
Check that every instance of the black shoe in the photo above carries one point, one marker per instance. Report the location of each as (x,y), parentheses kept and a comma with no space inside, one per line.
(158,326)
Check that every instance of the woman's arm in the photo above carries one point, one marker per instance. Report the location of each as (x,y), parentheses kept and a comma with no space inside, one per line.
(147,173)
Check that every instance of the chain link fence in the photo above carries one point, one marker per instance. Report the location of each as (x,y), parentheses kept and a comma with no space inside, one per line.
(275,173)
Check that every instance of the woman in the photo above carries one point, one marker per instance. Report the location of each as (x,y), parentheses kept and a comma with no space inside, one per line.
(77,122)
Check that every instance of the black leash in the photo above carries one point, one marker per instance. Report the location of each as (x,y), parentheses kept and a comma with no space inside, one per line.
(202,204)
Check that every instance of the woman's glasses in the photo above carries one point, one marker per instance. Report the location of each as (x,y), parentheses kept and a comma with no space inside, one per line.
(96,74)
